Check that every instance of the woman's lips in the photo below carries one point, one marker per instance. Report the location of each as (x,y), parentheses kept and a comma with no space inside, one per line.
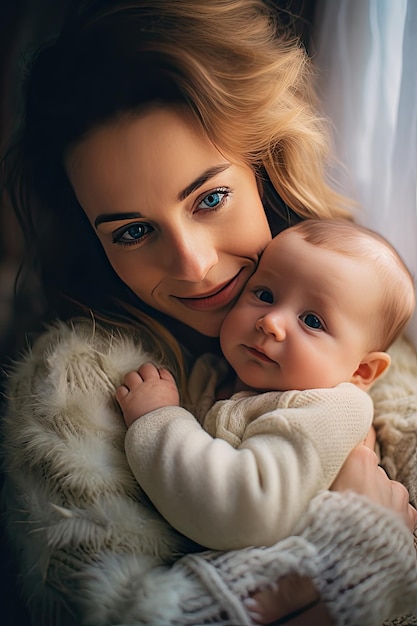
(219,298)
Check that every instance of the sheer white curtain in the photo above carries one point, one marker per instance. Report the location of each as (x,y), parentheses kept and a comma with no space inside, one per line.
(366,55)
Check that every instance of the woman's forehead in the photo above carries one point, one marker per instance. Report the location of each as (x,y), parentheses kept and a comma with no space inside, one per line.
(146,163)
(159,148)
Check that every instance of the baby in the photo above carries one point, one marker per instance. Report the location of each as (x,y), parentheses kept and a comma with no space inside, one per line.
(306,339)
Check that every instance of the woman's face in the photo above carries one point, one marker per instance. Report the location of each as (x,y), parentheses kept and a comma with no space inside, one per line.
(181,225)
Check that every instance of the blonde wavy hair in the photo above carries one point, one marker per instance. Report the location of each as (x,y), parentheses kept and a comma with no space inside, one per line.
(249,83)
(246,83)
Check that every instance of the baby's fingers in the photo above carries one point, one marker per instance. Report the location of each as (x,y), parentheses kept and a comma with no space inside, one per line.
(121,392)
(148,371)
(166,375)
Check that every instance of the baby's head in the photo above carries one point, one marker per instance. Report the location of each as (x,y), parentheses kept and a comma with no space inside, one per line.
(326,301)
(395,283)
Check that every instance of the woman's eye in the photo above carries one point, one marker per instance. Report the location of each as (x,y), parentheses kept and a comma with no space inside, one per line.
(264,295)
(214,199)
(312,321)
(134,233)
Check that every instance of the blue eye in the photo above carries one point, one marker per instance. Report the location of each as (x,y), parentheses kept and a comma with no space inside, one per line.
(312,321)
(264,295)
(214,200)
(134,233)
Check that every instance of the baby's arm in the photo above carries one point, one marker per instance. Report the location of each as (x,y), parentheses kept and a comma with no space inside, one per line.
(225,498)
(146,390)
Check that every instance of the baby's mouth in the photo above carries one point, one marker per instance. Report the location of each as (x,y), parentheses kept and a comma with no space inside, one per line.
(259,354)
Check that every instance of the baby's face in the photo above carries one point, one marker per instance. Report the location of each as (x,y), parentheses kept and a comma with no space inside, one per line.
(304,318)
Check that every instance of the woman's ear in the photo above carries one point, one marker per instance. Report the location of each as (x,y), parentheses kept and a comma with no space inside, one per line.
(371,368)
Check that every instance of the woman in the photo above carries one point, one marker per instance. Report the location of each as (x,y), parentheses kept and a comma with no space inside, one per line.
(163,144)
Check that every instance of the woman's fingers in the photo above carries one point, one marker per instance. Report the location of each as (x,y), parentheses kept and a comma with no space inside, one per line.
(370,440)
(362,474)
(401,502)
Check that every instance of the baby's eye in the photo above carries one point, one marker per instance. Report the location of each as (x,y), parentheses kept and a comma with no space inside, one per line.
(133,233)
(214,200)
(264,295)
(312,321)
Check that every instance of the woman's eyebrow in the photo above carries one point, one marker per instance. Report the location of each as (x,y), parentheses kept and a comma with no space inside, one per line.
(203,178)
(198,182)
(115,217)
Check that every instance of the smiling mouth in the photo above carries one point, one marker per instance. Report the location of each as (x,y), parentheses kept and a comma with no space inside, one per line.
(221,297)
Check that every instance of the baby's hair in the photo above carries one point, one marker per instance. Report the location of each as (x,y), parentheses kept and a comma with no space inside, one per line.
(398,289)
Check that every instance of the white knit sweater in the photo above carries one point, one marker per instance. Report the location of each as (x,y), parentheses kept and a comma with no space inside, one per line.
(246,478)
(92,550)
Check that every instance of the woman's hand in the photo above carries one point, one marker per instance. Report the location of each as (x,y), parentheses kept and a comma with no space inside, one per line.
(293,601)
(362,474)
(370,440)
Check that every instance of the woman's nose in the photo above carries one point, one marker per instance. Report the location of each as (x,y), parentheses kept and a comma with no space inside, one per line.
(192,257)
(272,324)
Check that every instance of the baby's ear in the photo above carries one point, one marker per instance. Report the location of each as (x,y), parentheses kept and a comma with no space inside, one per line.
(371,368)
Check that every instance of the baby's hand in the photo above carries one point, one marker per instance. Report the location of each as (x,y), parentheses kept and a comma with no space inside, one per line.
(145,390)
